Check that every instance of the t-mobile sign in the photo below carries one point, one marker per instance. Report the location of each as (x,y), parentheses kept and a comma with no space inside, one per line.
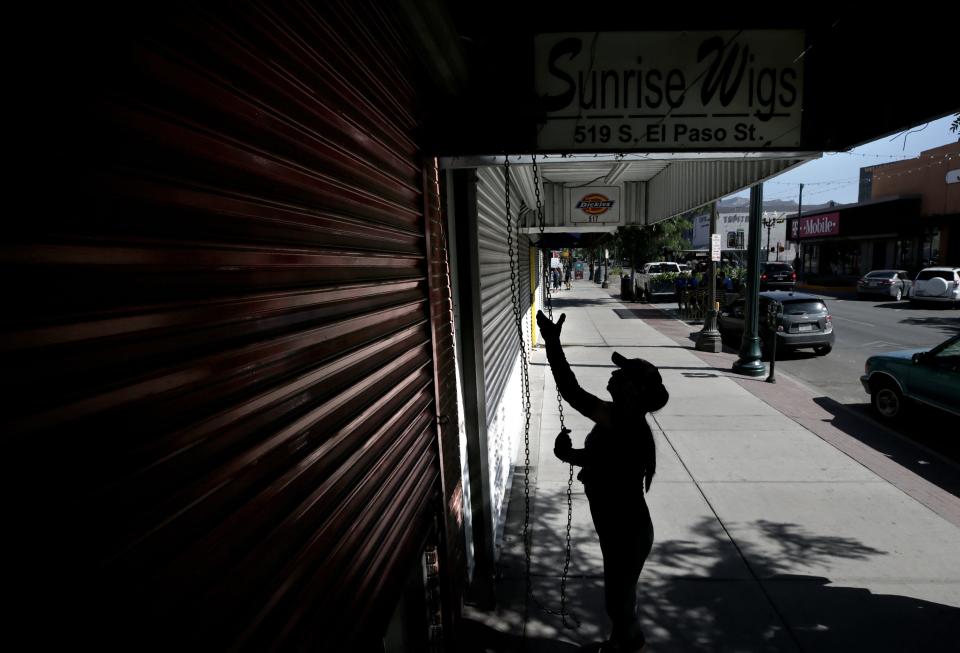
(814,226)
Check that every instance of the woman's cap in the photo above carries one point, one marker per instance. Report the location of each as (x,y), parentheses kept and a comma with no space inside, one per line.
(641,371)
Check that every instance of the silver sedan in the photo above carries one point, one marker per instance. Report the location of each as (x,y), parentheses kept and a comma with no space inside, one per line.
(886,283)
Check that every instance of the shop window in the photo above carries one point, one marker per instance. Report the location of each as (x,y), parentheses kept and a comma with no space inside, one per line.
(843,259)
(811,259)
(879,259)
(906,253)
(930,247)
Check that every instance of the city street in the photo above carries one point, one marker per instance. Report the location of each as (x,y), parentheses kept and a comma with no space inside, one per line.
(864,327)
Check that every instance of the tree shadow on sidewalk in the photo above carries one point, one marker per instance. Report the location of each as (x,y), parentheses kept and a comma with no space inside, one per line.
(562,302)
(692,598)
(641,314)
(782,609)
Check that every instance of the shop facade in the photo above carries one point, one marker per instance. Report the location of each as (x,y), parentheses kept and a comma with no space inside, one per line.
(846,242)
(934,176)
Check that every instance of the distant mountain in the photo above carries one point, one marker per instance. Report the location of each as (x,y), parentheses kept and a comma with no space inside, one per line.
(742,205)
(733,204)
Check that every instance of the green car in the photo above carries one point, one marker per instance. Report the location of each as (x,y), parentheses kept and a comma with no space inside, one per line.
(929,377)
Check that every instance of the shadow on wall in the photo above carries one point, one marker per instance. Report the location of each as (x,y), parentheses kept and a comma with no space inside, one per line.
(702,603)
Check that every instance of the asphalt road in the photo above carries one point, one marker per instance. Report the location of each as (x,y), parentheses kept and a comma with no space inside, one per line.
(863,328)
(866,327)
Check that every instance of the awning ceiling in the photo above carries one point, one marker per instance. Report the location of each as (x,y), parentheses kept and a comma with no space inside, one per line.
(666,184)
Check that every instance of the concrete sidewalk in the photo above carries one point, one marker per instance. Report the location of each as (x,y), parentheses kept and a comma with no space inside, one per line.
(769,537)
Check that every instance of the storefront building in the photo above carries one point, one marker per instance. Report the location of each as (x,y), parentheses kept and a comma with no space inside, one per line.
(908,217)
(851,240)
(935,176)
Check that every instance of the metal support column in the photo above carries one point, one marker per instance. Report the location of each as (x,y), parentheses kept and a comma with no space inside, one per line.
(709,337)
(749,363)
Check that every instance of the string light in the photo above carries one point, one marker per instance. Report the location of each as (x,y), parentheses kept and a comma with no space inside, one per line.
(878,173)
(901,157)
(813,183)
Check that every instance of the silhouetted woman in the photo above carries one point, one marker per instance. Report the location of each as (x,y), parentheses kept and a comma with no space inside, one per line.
(618,461)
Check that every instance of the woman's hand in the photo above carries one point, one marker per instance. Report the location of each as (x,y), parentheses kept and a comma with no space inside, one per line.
(549,329)
(562,445)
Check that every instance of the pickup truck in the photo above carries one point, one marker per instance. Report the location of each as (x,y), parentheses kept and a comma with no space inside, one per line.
(648,283)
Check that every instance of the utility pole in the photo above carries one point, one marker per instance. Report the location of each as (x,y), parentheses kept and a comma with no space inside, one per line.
(799,253)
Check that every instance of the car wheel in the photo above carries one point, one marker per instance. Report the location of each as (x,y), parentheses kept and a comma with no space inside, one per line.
(822,350)
(899,294)
(887,400)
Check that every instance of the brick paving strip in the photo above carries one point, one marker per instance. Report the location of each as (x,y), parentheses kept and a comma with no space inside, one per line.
(874,446)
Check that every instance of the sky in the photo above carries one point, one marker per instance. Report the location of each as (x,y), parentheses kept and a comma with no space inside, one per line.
(836,176)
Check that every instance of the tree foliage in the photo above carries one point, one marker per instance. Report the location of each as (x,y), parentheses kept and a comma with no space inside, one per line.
(652,242)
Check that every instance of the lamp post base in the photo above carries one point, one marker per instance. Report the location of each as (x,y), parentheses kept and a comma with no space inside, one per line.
(750,368)
(709,341)
(709,338)
(749,363)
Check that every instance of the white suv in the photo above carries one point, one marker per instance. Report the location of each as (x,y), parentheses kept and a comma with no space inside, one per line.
(940,284)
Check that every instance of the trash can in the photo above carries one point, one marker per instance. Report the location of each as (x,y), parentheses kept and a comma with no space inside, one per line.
(626,288)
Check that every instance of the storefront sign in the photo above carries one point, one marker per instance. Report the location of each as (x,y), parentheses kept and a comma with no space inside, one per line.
(815,226)
(736,90)
(595,205)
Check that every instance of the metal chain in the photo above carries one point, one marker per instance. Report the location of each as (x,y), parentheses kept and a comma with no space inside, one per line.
(541,223)
(524,364)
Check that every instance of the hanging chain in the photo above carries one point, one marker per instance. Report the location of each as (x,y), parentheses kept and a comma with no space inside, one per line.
(524,364)
(514,256)
(549,302)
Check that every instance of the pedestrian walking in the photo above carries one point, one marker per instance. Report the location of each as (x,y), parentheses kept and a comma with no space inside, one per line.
(618,450)
(566,276)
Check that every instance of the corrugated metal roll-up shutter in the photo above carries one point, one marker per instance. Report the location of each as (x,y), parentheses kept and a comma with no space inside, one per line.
(219,368)
(501,356)
(454,573)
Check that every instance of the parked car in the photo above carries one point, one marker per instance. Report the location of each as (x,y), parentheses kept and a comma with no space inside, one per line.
(940,284)
(804,322)
(927,376)
(648,280)
(888,283)
(777,276)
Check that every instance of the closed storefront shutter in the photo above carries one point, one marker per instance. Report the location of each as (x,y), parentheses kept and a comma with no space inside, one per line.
(221,361)
(501,357)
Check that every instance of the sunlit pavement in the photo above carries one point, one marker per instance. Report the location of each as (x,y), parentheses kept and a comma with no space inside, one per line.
(779,526)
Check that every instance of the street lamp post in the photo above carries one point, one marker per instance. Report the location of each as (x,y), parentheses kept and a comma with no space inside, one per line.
(709,338)
(749,363)
(768,223)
